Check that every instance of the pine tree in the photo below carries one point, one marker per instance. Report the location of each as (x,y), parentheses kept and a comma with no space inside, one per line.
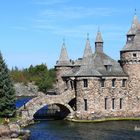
(7,92)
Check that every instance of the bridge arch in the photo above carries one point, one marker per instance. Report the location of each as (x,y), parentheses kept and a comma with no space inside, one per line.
(30,108)
(63,111)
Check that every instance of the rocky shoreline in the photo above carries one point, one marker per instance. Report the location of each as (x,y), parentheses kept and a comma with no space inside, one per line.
(26,90)
(12,131)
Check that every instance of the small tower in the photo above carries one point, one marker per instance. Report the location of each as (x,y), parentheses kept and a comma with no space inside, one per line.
(87,52)
(130,56)
(132,32)
(99,43)
(63,66)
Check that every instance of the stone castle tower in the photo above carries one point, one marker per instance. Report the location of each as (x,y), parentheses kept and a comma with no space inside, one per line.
(62,67)
(104,88)
(130,55)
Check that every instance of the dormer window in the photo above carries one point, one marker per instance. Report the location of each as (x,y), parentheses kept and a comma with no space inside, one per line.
(134,55)
(108,67)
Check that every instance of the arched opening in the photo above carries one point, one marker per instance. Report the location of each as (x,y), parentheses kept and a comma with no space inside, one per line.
(52,112)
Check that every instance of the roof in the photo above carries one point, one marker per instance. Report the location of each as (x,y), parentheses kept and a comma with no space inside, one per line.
(101,61)
(134,26)
(88,50)
(99,37)
(95,66)
(133,45)
(63,59)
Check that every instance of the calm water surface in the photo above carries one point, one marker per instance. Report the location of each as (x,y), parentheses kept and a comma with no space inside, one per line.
(64,130)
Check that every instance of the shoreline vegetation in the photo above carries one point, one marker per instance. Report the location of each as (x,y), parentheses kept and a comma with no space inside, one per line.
(39,76)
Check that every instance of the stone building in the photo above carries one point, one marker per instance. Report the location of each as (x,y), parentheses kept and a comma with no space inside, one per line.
(103,87)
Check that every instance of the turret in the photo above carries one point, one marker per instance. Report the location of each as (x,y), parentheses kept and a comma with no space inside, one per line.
(132,32)
(130,54)
(63,66)
(99,43)
(63,59)
(87,52)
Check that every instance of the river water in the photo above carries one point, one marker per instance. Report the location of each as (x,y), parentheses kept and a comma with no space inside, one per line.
(65,130)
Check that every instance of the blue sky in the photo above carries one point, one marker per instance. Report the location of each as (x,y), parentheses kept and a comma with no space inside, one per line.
(32,31)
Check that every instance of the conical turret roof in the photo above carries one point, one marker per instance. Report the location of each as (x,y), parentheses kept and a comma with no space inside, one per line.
(88,50)
(134,26)
(63,59)
(133,44)
(99,37)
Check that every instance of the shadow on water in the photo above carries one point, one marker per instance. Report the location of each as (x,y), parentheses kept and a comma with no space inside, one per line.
(51,112)
(64,130)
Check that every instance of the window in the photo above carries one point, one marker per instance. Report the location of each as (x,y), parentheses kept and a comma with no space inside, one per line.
(113,103)
(108,67)
(105,103)
(71,83)
(85,82)
(121,103)
(134,55)
(85,101)
(123,82)
(102,82)
(113,82)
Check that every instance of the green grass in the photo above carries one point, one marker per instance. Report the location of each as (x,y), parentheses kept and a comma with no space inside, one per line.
(106,119)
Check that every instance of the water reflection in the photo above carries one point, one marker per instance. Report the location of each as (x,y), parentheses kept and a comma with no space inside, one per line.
(64,130)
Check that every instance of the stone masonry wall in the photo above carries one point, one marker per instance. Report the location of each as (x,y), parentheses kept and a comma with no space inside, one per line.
(60,83)
(131,65)
(95,95)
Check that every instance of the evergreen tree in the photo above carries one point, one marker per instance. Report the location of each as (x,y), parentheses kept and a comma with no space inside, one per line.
(7,92)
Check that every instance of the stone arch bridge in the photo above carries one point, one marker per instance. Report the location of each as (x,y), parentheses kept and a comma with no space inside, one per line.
(27,112)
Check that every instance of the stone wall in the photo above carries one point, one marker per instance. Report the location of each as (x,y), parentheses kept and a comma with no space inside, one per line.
(95,96)
(60,83)
(130,62)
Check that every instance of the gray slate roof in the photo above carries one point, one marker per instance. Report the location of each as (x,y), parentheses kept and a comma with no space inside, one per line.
(134,45)
(88,50)
(101,60)
(96,64)
(63,59)
(99,37)
(134,26)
